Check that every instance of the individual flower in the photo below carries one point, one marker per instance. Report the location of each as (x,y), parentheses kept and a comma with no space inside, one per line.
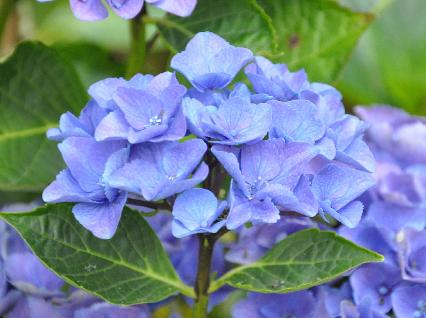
(376,282)
(275,79)
(394,131)
(159,170)
(83,126)
(412,255)
(86,182)
(93,10)
(410,301)
(197,211)
(149,113)
(235,121)
(347,134)
(336,187)
(267,177)
(210,62)
(301,304)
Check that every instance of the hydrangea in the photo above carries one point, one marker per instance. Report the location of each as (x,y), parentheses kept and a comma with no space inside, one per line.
(93,10)
(209,62)
(86,181)
(290,148)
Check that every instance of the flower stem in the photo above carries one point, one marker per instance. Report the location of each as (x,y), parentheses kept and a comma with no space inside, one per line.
(6,7)
(202,283)
(137,45)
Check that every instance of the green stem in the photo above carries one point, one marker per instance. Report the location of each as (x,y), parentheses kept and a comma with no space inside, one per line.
(6,8)
(202,283)
(137,45)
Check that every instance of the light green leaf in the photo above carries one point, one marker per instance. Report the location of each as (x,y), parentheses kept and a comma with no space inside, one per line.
(242,22)
(130,268)
(316,35)
(36,87)
(303,260)
(389,65)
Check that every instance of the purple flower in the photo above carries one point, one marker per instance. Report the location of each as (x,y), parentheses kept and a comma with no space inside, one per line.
(298,305)
(210,62)
(149,113)
(86,182)
(394,131)
(347,133)
(410,301)
(412,255)
(181,8)
(336,187)
(83,126)
(275,79)
(196,211)
(235,121)
(267,177)
(376,282)
(93,10)
(296,121)
(159,170)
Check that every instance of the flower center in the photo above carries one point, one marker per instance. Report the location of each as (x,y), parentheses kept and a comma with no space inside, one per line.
(421,310)
(155,121)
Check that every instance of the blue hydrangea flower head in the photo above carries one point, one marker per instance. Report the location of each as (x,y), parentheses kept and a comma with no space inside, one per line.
(86,182)
(275,79)
(336,187)
(152,112)
(159,170)
(197,211)
(235,121)
(93,10)
(210,62)
(106,310)
(267,176)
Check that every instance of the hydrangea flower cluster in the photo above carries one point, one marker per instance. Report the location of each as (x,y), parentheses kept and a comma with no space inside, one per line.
(93,10)
(394,226)
(287,145)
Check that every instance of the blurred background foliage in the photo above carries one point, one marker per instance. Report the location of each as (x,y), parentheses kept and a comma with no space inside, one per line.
(388,64)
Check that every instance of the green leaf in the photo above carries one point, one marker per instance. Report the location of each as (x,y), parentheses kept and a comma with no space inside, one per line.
(389,65)
(315,35)
(242,22)
(303,260)
(130,268)
(36,87)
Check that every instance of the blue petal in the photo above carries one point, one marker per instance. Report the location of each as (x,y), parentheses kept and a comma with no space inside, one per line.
(181,8)
(127,9)
(101,219)
(340,184)
(90,10)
